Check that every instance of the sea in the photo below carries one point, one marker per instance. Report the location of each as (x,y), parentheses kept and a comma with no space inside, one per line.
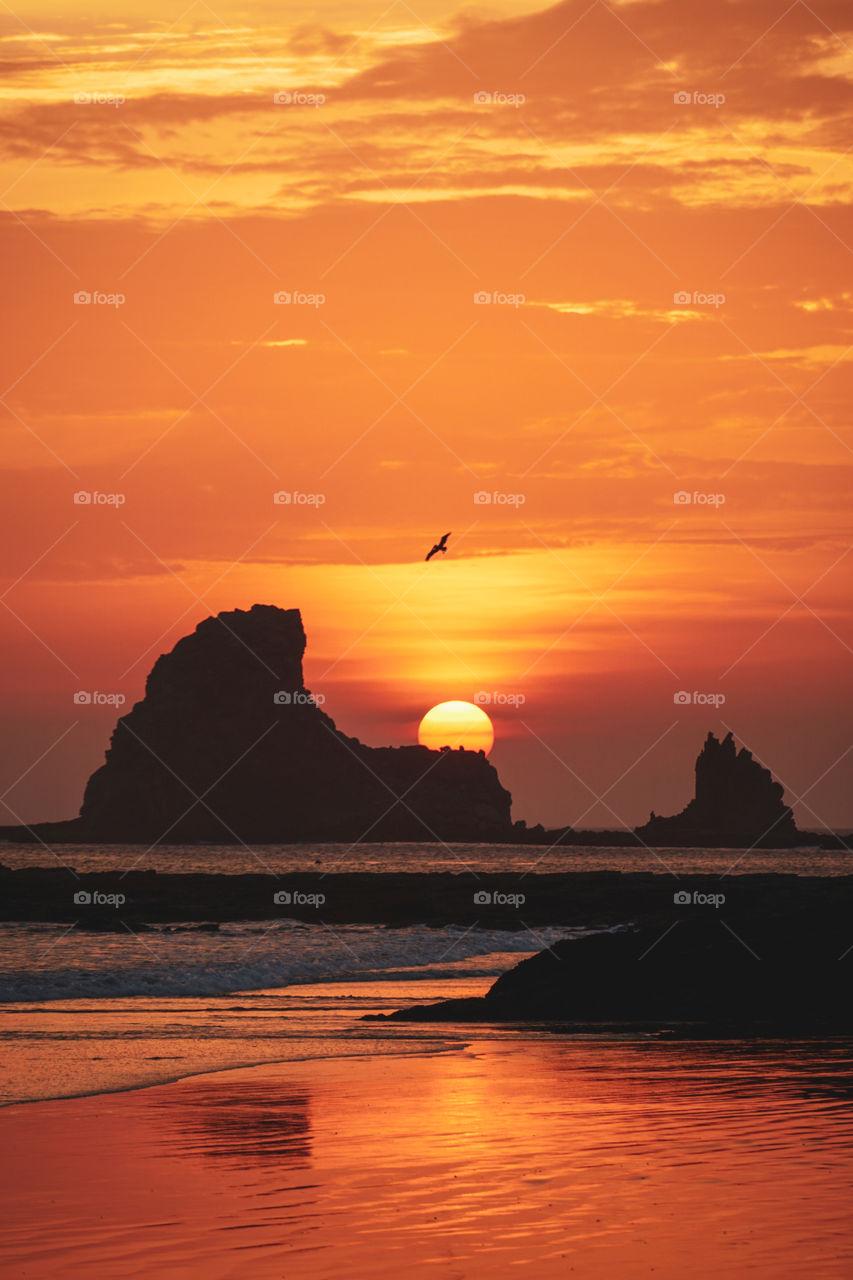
(215,1099)
(127,1008)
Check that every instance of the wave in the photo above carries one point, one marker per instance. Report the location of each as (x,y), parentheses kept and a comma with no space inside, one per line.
(246,956)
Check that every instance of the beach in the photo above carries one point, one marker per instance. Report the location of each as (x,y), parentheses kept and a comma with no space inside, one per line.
(217,1098)
(516,1156)
(426,839)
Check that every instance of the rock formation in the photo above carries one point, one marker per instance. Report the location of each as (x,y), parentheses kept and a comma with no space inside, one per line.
(755,974)
(228,745)
(737,803)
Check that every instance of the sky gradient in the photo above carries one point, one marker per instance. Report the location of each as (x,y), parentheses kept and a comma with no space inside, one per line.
(573,283)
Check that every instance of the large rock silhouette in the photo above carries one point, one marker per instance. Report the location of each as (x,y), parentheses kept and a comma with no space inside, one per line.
(736,803)
(749,973)
(228,745)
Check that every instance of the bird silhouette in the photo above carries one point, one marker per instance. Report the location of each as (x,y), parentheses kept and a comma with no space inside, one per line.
(439,546)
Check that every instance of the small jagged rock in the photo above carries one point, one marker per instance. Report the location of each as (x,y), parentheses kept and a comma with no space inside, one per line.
(737,803)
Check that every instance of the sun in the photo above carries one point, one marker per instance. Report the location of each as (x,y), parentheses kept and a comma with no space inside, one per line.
(456,724)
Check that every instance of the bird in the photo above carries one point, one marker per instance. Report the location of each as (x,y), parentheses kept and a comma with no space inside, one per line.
(439,546)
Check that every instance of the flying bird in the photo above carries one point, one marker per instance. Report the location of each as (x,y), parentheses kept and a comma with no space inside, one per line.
(439,546)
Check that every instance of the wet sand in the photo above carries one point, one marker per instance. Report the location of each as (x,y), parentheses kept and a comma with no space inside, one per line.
(521,1156)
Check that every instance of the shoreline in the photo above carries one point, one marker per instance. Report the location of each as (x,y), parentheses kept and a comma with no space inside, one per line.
(524,1031)
(116,1044)
(450,1046)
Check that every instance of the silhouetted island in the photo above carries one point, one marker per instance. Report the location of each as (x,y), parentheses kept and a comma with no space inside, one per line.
(736,803)
(229,747)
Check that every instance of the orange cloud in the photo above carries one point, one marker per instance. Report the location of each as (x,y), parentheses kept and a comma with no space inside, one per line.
(581,305)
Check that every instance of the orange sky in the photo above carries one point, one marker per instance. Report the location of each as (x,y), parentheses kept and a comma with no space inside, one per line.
(143,158)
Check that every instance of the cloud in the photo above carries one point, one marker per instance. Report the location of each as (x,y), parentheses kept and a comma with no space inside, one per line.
(585,74)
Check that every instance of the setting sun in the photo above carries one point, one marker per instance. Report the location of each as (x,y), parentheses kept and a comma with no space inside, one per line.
(356,355)
(456,724)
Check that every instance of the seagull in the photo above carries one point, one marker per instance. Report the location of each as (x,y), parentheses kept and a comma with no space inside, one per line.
(439,546)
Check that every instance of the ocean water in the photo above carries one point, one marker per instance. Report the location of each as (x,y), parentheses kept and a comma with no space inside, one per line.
(85,1011)
(54,962)
(78,1047)
(394,858)
(88,1012)
(209,1101)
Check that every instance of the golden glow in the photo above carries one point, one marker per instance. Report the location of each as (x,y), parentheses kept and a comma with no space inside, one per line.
(456,724)
(684,333)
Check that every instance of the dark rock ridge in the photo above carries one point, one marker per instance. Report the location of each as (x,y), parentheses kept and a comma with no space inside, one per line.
(737,803)
(228,745)
(572,899)
(782,974)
